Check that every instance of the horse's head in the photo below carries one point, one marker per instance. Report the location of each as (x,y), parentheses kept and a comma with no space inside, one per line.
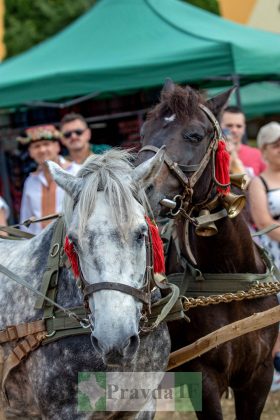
(182,122)
(105,210)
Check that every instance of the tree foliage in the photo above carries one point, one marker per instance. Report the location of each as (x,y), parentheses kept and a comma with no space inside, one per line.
(28,22)
(210,5)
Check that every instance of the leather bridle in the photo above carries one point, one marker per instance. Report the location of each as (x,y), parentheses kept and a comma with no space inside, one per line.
(184,200)
(143,294)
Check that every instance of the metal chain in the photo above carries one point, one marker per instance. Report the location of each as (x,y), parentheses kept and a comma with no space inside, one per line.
(258,290)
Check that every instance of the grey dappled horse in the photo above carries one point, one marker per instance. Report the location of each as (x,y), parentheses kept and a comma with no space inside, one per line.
(104,217)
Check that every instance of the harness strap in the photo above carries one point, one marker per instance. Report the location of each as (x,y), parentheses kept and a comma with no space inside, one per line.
(124,288)
(213,283)
(14,332)
(167,303)
(265,230)
(15,233)
(24,283)
(31,220)
(3,398)
(50,278)
(212,217)
(173,166)
(21,351)
(213,119)
(170,163)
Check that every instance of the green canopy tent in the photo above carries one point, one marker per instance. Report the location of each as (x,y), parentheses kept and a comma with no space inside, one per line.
(135,44)
(258,99)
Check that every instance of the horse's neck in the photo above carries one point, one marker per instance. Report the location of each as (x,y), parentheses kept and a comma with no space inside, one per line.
(231,250)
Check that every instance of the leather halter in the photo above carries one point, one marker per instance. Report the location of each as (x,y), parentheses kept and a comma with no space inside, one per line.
(124,288)
(179,170)
(143,294)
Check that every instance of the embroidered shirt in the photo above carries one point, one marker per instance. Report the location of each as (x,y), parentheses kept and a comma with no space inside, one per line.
(40,198)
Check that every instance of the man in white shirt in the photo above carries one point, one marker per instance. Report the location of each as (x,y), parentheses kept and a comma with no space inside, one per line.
(76,137)
(41,196)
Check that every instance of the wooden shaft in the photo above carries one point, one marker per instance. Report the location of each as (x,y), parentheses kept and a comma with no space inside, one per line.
(222,335)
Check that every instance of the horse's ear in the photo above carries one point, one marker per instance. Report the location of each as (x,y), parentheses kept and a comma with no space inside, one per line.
(168,86)
(68,182)
(219,102)
(148,170)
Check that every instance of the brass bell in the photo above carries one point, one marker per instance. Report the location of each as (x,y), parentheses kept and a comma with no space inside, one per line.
(233,203)
(207,228)
(240,181)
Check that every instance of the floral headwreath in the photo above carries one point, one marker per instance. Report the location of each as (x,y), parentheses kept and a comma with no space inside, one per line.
(40,132)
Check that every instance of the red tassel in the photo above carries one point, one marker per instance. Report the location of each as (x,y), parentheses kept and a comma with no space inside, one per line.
(72,256)
(222,167)
(159,263)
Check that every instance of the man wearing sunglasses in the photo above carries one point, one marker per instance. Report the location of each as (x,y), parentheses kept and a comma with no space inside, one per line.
(76,137)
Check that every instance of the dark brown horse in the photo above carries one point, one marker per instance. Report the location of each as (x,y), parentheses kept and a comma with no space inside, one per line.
(187,129)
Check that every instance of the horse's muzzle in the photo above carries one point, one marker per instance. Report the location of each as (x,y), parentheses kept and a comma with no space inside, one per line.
(119,353)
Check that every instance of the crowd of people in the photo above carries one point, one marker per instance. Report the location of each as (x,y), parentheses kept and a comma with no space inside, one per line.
(42,197)
(262,165)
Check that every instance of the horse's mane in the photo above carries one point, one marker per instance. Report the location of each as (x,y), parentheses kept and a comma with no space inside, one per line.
(183,102)
(107,172)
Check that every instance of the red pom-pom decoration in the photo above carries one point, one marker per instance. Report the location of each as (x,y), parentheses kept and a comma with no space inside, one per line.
(72,256)
(158,254)
(222,167)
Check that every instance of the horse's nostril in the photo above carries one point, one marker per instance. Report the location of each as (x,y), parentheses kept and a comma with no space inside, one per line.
(132,345)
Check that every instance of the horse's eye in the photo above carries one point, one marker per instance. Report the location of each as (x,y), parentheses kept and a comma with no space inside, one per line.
(192,137)
(141,235)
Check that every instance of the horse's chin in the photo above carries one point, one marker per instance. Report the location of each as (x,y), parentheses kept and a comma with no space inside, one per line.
(112,365)
(117,361)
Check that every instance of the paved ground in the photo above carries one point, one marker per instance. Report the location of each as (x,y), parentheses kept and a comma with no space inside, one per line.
(271,410)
